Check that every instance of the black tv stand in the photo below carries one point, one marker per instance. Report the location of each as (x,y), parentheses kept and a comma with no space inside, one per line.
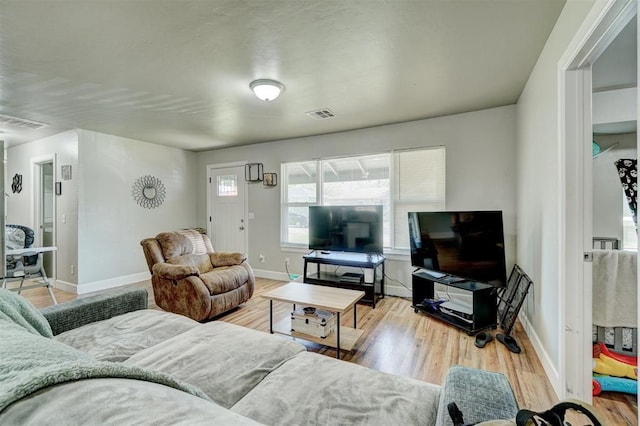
(369,281)
(484,301)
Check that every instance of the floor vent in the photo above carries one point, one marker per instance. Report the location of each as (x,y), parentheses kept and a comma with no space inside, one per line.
(321,114)
(21,122)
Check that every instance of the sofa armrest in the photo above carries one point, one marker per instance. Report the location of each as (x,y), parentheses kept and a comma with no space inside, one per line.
(85,310)
(175,272)
(480,395)
(220,258)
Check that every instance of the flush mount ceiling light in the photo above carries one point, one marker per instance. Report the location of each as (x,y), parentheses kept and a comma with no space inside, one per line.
(266,90)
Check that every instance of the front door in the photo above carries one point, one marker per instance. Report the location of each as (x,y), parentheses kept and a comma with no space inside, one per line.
(227,222)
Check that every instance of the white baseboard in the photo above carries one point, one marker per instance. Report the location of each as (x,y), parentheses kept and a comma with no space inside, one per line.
(65,286)
(547,365)
(397,290)
(103,284)
(274,275)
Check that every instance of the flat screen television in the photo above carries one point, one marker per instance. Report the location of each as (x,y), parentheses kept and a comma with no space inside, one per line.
(346,228)
(465,244)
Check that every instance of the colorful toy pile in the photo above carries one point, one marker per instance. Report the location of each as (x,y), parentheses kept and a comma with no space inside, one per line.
(613,372)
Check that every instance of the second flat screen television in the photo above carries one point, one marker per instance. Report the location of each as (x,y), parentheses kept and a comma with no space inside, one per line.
(467,244)
(346,228)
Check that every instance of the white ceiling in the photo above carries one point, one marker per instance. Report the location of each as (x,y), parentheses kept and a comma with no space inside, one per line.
(616,67)
(177,73)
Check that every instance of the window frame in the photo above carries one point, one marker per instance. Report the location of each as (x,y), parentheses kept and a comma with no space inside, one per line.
(393,199)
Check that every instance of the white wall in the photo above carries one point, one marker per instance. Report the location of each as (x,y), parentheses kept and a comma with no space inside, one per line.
(607,190)
(540,180)
(110,222)
(64,148)
(615,106)
(481,174)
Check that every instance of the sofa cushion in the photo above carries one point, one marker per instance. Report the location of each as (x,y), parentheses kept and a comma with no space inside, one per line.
(94,307)
(18,310)
(200,261)
(174,244)
(313,389)
(224,360)
(30,362)
(224,279)
(117,338)
(108,401)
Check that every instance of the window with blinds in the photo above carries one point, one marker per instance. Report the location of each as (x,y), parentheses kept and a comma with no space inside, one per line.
(420,187)
(400,181)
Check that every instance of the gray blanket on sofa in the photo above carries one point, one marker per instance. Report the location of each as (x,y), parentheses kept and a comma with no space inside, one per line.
(30,361)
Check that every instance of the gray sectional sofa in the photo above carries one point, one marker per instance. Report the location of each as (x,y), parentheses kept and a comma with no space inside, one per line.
(107,359)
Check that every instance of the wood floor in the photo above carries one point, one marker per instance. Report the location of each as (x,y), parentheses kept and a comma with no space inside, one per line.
(397,340)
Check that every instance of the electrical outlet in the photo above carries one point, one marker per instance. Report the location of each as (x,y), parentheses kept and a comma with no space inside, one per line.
(73,269)
(261,258)
(286,260)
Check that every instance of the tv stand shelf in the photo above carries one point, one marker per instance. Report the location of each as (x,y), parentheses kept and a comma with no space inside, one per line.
(484,301)
(367,282)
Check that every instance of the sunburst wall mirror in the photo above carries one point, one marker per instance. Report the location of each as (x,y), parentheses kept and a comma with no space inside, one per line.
(148,191)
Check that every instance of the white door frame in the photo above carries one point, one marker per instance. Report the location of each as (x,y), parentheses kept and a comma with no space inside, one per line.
(600,27)
(36,204)
(210,169)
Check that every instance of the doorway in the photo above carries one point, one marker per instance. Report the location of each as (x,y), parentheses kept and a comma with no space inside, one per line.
(44,211)
(577,121)
(227,207)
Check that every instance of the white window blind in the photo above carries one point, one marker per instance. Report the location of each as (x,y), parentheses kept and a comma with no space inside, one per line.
(299,191)
(421,186)
(421,175)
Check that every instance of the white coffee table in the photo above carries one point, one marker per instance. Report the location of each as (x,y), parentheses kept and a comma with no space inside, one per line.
(336,300)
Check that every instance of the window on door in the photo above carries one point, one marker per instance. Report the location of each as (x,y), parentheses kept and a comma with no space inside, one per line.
(227,185)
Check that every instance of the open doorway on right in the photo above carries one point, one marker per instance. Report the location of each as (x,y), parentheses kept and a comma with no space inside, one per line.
(615,242)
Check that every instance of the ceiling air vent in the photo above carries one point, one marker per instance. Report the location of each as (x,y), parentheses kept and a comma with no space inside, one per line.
(8,120)
(321,114)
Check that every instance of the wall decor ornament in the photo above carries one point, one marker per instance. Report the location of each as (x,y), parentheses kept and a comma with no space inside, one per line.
(628,173)
(148,191)
(65,172)
(270,179)
(253,172)
(16,185)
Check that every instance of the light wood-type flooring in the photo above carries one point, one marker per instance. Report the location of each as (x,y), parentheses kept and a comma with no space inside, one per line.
(397,340)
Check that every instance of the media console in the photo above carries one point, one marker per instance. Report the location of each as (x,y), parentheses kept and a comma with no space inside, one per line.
(476,310)
(369,281)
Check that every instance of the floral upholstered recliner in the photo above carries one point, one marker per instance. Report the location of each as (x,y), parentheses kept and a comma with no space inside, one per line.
(191,279)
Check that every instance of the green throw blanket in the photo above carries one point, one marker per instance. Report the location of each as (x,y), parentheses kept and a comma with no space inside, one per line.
(29,361)
(18,310)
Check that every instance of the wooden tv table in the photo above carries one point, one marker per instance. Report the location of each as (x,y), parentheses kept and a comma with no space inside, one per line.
(336,300)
